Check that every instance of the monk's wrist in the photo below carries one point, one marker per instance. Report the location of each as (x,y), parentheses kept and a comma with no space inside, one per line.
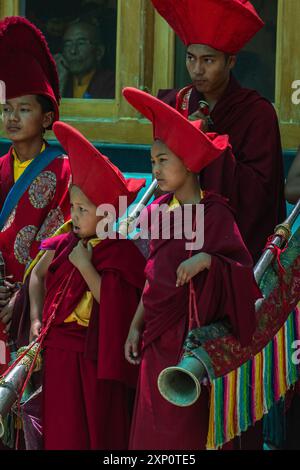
(85,266)
(203,261)
(35,319)
(137,325)
(207,260)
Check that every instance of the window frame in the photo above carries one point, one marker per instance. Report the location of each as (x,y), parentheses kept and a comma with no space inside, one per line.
(152,67)
(115,120)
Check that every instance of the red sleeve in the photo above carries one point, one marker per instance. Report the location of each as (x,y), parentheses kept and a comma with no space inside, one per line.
(6,177)
(230,289)
(252,172)
(253,182)
(61,198)
(118,303)
(53,242)
(230,292)
(168,96)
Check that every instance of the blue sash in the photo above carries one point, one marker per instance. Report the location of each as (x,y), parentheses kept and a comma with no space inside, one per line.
(22,184)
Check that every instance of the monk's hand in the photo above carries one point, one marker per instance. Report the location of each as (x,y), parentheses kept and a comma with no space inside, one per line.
(196,116)
(81,256)
(132,346)
(192,266)
(35,329)
(6,293)
(7,312)
(62,70)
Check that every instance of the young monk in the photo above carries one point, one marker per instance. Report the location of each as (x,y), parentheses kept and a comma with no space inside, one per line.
(94,287)
(220,274)
(214,32)
(34,177)
(251,176)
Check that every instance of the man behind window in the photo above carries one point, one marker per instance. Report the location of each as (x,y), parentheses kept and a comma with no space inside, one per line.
(79,65)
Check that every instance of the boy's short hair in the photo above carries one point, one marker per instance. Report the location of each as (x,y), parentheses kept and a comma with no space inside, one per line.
(46,105)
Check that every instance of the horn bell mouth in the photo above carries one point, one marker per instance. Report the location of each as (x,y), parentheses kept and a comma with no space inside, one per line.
(179,386)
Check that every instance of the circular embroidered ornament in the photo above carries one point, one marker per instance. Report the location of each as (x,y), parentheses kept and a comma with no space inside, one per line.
(53,221)
(10,220)
(23,243)
(42,189)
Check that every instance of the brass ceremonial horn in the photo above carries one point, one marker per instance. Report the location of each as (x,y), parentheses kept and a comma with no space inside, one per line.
(180,385)
(11,385)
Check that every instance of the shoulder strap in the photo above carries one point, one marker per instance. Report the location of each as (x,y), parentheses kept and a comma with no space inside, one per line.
(182,100)
(25,180)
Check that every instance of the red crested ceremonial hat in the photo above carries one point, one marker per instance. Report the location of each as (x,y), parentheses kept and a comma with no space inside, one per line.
(26,64)
(100,180)
(225,25)
(183,137)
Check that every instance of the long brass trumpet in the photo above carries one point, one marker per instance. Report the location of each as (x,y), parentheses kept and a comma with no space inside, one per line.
(12,384)
(181,384)
(125,226)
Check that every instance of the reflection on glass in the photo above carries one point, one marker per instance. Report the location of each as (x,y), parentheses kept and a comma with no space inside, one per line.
(82,38)
(255,67)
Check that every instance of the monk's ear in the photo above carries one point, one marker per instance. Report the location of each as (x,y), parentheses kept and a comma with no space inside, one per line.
(48,119)
(231,61)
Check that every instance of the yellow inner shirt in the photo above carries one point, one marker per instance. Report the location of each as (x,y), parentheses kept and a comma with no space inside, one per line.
(174,203)
(80,89)
(19,167)
(82,312)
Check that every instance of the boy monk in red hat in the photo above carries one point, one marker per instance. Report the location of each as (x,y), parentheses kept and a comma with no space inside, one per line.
(251,176)
(34,177)
(182,291)
(87,381)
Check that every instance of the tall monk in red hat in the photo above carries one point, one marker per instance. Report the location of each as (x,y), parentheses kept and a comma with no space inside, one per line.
(252,177)
(34,176)
(93,285)
(181,290)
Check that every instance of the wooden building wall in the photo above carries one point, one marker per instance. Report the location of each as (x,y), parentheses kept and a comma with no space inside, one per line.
(145,58)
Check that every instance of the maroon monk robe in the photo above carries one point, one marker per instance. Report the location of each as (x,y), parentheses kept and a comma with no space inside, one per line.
(251,176)
(101,86)
(41,210)
(226,290)
(87,381)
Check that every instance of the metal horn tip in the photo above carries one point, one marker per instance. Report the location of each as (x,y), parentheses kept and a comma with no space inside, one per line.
(1,427)
(178,386)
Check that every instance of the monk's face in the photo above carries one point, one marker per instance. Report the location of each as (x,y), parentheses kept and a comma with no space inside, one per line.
(83,214)
(167,168)
(209,69)
(81,49)
(24,119)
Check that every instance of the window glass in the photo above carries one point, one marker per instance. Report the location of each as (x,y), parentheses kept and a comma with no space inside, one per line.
(82,38)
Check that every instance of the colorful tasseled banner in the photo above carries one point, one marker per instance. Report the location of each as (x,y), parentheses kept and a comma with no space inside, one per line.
(241,398)
(257,399)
